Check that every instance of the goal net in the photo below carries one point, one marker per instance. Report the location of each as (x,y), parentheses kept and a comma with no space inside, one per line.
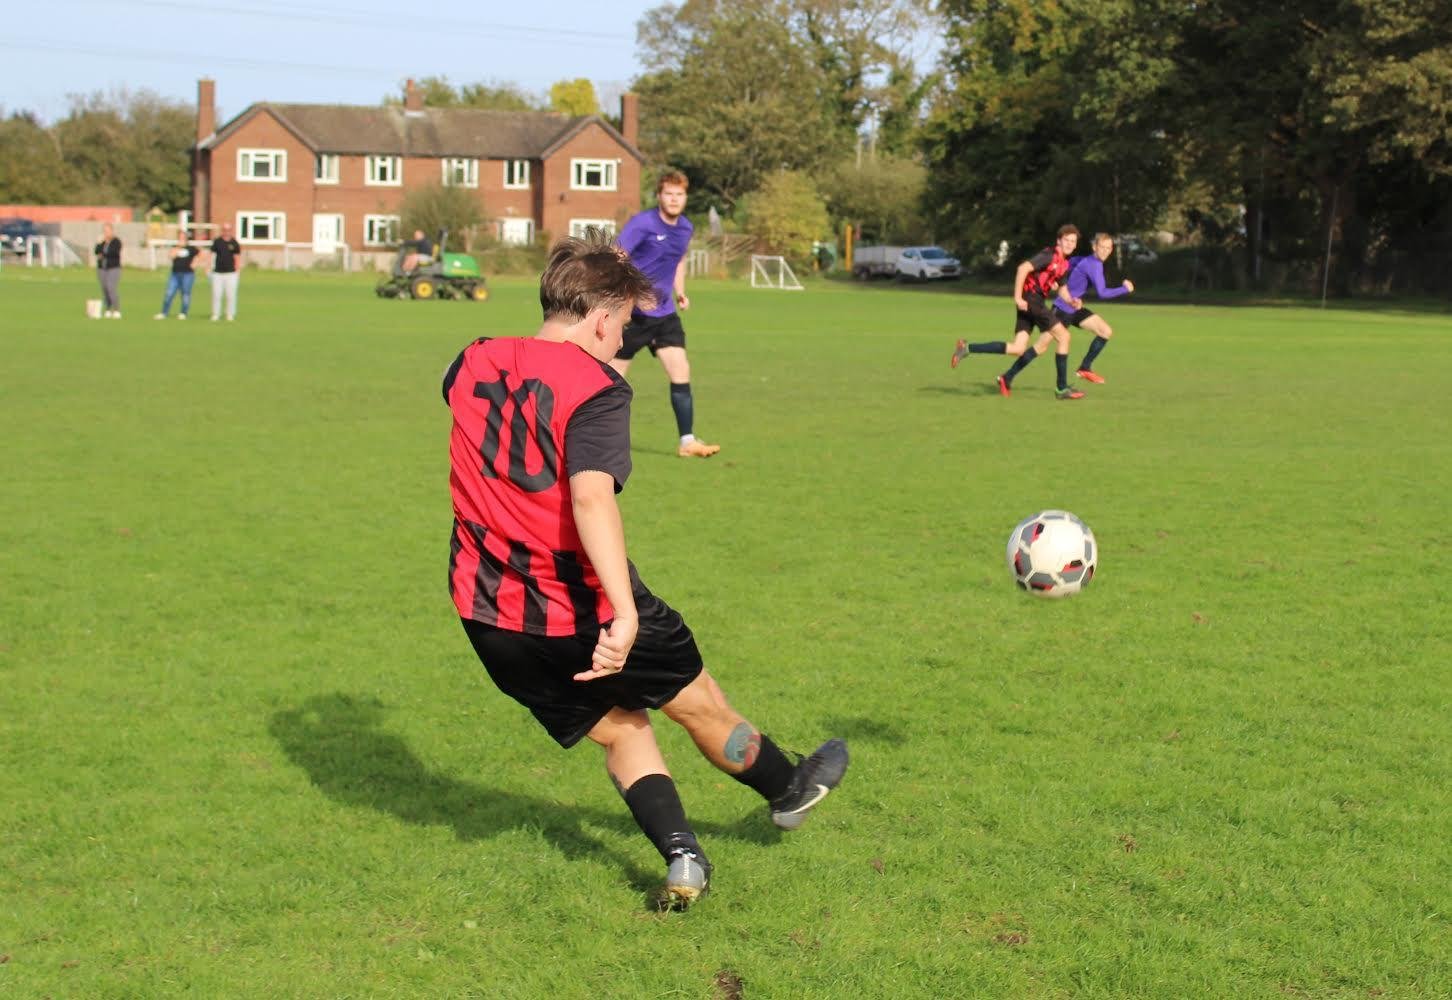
(773,272)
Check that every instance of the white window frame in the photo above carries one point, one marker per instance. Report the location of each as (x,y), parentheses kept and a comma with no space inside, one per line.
(321,172)
(452,166)
(248,157)
(275,221)
(578,226)
(371,235)
(379,165)
(520,170)
(581,166)
(529,231)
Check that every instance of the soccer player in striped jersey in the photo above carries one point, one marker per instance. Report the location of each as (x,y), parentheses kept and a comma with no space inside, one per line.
(1083,272)
(1034,284)
(538,571)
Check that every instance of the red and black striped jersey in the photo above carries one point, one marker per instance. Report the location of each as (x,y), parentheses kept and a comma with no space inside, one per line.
(528,414)
(1050,265)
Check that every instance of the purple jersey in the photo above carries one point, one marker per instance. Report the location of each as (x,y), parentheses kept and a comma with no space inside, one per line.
(1084,271)
(657,248)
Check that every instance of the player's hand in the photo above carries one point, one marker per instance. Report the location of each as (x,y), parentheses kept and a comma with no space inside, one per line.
(611,649)
(1076,303)
(683,301)
(1018,300)
(1128,285)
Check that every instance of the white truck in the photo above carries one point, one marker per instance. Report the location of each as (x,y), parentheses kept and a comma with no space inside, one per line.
(905,263)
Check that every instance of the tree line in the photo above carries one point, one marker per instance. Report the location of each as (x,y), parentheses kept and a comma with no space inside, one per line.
(1279,146)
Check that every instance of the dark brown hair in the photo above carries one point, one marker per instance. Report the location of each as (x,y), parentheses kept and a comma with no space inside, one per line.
(1066,229)
(589,272)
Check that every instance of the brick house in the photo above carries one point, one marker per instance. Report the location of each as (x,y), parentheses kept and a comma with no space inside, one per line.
(321,175)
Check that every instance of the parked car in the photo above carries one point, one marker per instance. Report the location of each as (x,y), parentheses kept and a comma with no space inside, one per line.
(906,263)
(1134,250)
(16,234)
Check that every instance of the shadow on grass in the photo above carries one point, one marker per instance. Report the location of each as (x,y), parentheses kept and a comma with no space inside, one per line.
(974,388)
(338,740)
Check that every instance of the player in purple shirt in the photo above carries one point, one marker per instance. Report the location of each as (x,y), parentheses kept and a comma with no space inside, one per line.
(1086,271)
(656,241)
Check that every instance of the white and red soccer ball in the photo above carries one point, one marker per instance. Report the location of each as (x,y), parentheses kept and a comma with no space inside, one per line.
(1052,554)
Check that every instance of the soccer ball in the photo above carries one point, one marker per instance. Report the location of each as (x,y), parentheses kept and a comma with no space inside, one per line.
(1052,554)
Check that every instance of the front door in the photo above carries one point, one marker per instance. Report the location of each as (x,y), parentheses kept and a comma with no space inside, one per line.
(327,232)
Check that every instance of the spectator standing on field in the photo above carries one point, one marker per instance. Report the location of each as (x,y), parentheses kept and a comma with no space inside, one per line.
(183,256)
(226,258)
(656,241)
(538,572)
(108,270)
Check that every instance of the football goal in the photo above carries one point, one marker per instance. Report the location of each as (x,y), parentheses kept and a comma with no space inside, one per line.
(773,272)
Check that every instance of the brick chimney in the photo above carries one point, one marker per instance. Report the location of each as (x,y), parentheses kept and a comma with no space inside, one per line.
(412,98)
(206,108)
(630,117)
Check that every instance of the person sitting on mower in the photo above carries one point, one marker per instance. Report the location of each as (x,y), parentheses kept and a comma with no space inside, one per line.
(421,252)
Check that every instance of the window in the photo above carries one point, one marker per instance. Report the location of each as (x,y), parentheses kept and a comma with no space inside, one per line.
(578,226)
(262,227)
(385,170)
(326,171)
(461,172)
(516,173)
(592,175)
(380,230)
(262,165)
(516,231)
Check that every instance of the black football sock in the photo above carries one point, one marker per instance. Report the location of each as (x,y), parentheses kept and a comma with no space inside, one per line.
(988,347)
(770,776)
(656,806)
(683,405)
(1095,346)
(1023,362)
(1061,369)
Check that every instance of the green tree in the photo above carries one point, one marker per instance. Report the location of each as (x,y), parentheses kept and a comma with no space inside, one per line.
(574,97)
(731,97)
(787,214)
(31,168)
(131,148)
(438,92)
(882,194)
(436,208)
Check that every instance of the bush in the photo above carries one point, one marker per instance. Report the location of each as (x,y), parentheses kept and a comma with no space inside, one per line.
(436,208)
(788,215)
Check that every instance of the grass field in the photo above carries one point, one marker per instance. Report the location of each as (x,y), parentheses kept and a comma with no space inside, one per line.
(249,753)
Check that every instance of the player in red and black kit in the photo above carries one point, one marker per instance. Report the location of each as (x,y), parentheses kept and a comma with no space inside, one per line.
(539,575)
(1034,287)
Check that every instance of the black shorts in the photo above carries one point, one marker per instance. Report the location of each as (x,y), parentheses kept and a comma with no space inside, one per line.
(652,332)
(1039,313)
(538,671)
(1077,319)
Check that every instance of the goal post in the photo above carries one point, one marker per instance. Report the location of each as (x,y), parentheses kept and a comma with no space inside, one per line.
(772,271)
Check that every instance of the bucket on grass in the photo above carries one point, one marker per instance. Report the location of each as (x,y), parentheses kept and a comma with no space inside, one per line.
(93,308)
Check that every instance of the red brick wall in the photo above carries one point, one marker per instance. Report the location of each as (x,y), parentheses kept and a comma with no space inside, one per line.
(559,204)
(229,195)
(548,200)
(68,213)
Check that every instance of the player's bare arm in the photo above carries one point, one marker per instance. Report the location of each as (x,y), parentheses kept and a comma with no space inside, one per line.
(1018,279)
(597,518)
(683,301)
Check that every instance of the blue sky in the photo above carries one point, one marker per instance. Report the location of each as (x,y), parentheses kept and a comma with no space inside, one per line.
(308,51)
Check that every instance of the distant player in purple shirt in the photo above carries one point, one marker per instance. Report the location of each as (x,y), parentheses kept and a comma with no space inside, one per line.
(1083,272)
(656,241)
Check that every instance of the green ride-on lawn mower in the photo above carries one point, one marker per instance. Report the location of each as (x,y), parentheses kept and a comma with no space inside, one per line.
(447,276)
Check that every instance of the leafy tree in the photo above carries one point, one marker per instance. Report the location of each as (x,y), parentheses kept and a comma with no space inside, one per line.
(438,92)
(128,148)
(31,168)
(731,97)
(574,97)
(882,194)
(436,207)
(788,215)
